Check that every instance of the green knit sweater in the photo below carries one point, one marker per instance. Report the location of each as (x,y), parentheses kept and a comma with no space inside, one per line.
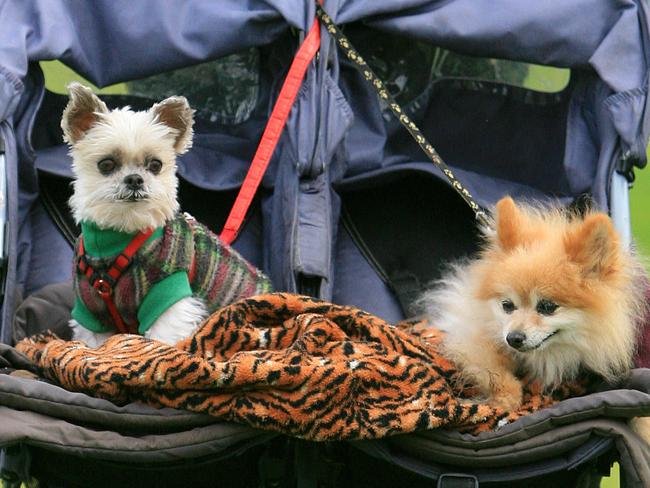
(159,274)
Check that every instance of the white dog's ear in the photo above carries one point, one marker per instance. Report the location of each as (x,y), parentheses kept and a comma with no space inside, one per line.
(81,113)
(176,113)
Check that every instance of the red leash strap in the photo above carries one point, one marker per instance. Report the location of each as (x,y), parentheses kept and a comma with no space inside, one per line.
(272,133)
(105,283)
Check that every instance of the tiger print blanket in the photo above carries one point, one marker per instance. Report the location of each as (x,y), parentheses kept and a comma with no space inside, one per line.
(287,363)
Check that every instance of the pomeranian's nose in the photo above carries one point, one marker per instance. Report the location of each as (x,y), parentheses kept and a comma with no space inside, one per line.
(134,182)
(516,339)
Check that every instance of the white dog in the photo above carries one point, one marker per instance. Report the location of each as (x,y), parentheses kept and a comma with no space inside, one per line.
(140,266)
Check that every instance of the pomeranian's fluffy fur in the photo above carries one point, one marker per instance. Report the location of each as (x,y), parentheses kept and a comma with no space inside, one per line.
(551,294)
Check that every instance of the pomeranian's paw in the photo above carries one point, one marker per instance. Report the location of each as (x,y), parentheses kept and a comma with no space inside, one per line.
(90,338)
(506,393)
(641,425)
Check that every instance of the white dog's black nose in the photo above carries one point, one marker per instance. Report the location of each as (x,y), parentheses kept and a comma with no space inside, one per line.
(516,339)
(133,182)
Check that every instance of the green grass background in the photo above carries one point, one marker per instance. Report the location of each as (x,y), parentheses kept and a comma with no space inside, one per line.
(539,78)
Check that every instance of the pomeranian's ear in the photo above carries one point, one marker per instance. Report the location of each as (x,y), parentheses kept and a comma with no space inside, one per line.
(593,244)
(176,113)
(81,113)
(510,224)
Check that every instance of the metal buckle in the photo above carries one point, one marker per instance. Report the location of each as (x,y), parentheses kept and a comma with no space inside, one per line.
(103,287)
(457,480)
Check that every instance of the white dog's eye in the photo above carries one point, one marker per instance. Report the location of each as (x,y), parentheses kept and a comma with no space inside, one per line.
(508,306)
(154,166)
(546,307)
(106,166)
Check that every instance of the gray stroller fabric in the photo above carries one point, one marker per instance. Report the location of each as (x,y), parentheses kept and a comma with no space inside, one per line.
(558,448)
(45,415)
(550,431)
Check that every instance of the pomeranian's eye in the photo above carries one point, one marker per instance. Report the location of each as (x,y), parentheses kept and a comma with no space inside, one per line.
(154,166)
(508,306)
(546,307)
(106,166)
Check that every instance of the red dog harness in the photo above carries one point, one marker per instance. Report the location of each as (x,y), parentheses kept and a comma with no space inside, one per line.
(105,282)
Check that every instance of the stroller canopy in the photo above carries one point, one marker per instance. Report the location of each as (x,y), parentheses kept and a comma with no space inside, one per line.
(108,42)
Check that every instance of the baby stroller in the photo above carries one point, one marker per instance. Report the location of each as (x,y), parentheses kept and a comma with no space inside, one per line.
(349,210)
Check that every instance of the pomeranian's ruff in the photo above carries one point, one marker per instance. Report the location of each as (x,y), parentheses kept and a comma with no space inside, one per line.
(551,294)
(124,164)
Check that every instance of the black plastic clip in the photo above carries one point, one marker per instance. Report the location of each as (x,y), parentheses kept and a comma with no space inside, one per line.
(626,166)
(457,480)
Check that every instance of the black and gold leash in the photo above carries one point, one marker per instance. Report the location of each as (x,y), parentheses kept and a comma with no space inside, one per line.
(410,126)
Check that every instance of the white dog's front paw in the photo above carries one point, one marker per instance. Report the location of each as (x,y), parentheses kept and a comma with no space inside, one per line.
(641,425)
(179,321)
(88,337)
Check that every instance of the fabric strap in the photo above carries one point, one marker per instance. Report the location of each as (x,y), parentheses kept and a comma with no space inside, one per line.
(105,282)
(272,133)
(368,74)
(280,113)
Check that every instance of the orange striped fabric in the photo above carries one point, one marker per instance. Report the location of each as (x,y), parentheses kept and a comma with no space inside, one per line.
(286,363)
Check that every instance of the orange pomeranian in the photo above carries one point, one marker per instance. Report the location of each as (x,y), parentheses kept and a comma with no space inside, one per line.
(551,294)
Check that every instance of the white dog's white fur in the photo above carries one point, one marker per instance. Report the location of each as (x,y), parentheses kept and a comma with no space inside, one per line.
(175,324)
(131,136)
(131,139)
